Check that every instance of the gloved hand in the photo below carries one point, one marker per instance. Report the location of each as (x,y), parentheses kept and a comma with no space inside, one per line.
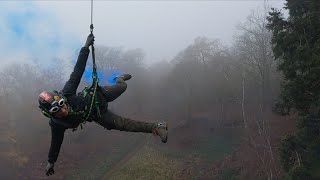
(90,40)
(49,169)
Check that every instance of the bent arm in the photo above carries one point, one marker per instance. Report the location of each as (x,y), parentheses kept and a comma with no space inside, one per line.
(72,84)
(57,135)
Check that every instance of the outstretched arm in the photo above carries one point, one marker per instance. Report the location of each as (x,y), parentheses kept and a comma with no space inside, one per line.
(72,84)
(57,134)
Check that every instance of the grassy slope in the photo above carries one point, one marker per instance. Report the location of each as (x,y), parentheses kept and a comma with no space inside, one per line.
(148,163)
(191,149)
(190,161)
(96,167)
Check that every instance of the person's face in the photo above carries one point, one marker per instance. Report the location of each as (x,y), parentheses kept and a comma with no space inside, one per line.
(62,112)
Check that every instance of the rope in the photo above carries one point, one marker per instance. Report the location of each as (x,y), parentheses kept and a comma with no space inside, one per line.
(91,10)
(91,25)
(95,79)
(92,47)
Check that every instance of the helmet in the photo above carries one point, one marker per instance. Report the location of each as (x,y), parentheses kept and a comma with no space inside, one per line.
(50,102)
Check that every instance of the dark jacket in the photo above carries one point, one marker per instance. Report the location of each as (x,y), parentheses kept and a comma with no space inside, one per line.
(76,102)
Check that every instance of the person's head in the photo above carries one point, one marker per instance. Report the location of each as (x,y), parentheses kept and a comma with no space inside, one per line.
(53,104)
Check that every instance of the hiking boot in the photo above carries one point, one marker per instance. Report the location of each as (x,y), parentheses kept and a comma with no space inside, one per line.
(161,129)
(125,77)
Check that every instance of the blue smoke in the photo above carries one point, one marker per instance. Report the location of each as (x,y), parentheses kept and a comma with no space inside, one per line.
(112,75)
(107,78)
(31,32)
(17,23)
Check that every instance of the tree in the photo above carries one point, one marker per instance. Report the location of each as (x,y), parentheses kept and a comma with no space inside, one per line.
(254,52)
(256,67)
(198,74)
(113,61)
(296,46)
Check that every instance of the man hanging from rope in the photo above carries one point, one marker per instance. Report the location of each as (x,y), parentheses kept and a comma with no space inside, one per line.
(68,110)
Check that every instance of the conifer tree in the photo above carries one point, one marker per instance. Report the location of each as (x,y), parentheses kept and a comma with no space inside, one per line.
(296,47)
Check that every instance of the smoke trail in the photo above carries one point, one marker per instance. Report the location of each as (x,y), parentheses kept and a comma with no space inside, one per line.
(107,78)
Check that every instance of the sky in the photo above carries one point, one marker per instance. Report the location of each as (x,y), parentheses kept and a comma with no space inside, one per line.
(44,30)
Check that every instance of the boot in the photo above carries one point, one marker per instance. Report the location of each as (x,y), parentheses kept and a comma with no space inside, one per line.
(161,129)
(125,77)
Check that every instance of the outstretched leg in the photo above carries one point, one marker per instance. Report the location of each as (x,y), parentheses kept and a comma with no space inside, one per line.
(110,120)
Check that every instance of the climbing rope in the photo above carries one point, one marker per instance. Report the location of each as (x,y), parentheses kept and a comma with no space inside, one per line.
(91,15)
(92,47)
(95,80)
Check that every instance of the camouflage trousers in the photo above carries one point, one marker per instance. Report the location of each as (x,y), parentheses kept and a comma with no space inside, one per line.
(111,120)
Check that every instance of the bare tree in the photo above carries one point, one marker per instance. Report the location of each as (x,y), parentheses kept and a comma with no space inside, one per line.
(254,49)
(254,55)
(200,73)
(117,60)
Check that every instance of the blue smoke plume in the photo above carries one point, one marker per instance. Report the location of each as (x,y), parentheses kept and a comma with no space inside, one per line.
(110,77)
(107,78)
(32,33)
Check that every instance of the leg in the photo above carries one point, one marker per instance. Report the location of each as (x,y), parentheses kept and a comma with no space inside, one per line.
(110,120)
(114,91)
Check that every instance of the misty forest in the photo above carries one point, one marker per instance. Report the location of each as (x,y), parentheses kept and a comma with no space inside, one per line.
(246,110)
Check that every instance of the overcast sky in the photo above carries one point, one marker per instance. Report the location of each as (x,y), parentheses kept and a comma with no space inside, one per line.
(48,29)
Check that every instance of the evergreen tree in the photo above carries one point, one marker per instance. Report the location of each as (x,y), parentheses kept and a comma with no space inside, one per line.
(296,47)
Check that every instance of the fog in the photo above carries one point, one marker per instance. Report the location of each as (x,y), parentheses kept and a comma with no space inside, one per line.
(160,28)
(205,67)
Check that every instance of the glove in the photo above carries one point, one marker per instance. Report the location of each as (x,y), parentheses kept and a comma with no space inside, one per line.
(49,169)
(90,40)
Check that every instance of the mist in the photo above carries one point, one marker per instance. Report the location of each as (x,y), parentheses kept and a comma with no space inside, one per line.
(215,86)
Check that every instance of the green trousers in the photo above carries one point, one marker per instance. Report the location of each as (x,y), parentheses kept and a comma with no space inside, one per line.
(111,120)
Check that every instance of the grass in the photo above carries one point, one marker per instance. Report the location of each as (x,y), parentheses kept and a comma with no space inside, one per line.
(215,147)
(211,148)
(227,174)
(148,164)
(96,168)
(162,162)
